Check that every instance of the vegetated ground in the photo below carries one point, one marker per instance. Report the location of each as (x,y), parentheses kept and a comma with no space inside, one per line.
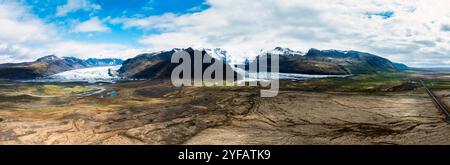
(384,108)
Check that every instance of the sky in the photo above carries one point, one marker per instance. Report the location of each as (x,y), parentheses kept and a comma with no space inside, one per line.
(414,32)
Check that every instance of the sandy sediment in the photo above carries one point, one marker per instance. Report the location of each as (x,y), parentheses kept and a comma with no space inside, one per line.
(155,113)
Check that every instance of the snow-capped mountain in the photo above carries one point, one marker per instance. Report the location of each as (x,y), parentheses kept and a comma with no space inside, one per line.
(159,65)
(95,62)
(282,51)
(218,53)
(88,74)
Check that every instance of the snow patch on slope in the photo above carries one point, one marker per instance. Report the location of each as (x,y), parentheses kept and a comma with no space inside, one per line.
(281,51)
(218,53)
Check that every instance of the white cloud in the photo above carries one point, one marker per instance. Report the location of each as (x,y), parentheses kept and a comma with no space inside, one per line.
(91,50)
(159,22)
(21,53)
(18,26)
(149,5)
(19,30)
(24,37)
(13,52)
(76,5)
(412,35)
(92,25)
(416,34)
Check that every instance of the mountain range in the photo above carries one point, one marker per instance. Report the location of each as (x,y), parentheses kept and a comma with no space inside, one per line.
(50,65)
(157,65)
(330,62)
(319,62)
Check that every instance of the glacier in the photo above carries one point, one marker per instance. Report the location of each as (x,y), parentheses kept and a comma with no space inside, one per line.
(110,74)
(91,75)
(264,76)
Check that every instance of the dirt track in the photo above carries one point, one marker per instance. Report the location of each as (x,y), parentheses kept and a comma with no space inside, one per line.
(313,118)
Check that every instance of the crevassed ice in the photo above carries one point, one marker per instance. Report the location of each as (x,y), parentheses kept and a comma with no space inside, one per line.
(88,74)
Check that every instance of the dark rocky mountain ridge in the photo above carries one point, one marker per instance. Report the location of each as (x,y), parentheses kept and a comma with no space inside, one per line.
(49,65)
(334,62)
(158,65)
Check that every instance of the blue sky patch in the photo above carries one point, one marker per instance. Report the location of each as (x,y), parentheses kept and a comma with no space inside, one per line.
(384,15)
(105,10)
(446,28)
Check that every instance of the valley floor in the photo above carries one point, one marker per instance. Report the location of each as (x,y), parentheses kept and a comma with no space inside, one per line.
(154,112)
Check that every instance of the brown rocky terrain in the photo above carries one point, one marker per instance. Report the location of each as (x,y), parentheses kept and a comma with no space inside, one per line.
(154,112)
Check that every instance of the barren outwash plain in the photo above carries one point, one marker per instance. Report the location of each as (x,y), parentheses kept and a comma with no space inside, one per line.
(367,109)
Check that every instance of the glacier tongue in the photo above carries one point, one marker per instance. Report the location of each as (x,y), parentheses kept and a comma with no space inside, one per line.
(95,74)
